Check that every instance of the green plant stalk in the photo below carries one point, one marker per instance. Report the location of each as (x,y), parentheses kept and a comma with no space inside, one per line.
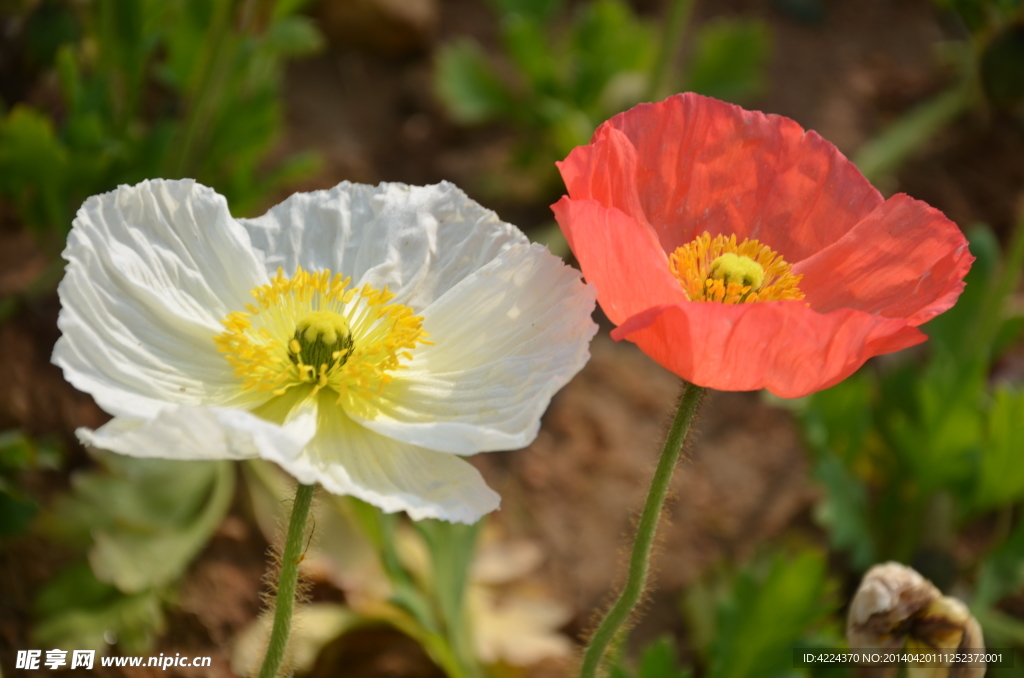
(415,615)
(889,150)
(1005,281)
(675,27)
(451,548)
(639,561)
(287,582)
(213,65)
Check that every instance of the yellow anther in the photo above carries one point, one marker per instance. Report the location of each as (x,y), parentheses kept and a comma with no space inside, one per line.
(313,329)
(721,270)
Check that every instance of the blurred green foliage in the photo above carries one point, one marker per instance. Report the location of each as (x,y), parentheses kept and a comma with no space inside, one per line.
(987,67)
(142,522)
(77,610)
(744,623)
(911,453)
(148,88)
(915,452)
(431,606)
(658,660)
(18,455)
(560,75)
(124,90)
(414,575)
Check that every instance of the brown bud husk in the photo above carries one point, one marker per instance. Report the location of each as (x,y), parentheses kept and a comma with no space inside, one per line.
(896,608)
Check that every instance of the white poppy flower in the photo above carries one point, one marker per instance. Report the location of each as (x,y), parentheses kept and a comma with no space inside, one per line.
(363,337)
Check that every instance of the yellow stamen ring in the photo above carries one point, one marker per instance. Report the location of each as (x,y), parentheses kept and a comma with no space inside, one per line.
(718,269)
(313,329)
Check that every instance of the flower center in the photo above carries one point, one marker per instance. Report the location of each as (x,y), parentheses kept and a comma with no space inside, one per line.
(717,269)
(313,329)
(321,337)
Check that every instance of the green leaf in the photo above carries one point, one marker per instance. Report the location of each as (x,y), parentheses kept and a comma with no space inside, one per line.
(148,518)
(538,10)
(971,11)
(15,512)
(1002,571)
(467,84)
(767,614)
(451,547)
(76,610)
(70,77)
(33,163)
(293,36)
(1008,336)
(283,8)
(609,45)
(844,511)
(898,142)
(730,59)
(950,330)
(1000,630)
(527,45)
(123,47)
(659,661)
(1002,68)
(1001,473)
(941,442)
(838,419)
(16,451)
(47,28)
(573,128)
(188,40)
(979,14)
(8,307)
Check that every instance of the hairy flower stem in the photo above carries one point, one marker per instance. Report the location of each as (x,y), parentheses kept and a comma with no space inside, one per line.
(287,582)
(639,561)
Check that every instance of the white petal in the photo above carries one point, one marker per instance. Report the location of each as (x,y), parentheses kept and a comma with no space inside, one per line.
(348,459)
(185,432)
(420,241)
(152,269)
(505,340)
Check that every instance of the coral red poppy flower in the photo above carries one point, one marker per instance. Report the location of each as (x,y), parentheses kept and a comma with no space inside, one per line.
(742,252)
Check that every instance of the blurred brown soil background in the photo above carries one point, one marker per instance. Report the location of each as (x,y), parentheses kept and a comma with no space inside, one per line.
(366,104)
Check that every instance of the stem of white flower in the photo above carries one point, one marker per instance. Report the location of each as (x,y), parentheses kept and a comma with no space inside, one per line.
(639,561)
(287,582)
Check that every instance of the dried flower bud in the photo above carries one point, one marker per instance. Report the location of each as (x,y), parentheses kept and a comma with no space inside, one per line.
(895,607)
(889,595)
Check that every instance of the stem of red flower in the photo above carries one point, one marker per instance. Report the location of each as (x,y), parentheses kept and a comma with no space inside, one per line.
(287,582)
(639,561)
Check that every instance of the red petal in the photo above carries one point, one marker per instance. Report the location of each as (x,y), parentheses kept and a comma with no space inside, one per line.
(605,171)
(621,257)
(703,165)
(904,260)
(784,346)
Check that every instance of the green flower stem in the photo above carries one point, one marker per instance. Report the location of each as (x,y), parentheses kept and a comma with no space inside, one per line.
(639,561)
(287,582)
